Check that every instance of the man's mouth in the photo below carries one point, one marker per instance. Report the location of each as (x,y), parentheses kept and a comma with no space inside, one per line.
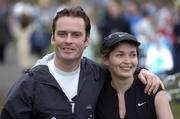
(67,49)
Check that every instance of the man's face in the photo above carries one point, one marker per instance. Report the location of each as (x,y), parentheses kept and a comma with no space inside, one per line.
(122,61)
(69,38)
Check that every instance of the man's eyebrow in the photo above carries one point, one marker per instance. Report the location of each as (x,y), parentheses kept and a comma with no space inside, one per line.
(76,32)
(69,31)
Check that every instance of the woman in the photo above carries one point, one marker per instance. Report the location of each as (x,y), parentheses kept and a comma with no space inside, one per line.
(122,97)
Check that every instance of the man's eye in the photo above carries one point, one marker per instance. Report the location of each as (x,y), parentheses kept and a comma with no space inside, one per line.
(76,34)
(61,34)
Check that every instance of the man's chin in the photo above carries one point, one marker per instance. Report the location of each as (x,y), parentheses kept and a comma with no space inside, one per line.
(70,59)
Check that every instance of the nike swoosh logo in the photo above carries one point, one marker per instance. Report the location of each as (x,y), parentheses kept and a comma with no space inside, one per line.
(140,104)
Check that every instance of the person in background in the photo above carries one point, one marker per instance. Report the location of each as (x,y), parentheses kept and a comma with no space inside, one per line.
(5,32)
(176,30)
(122,96)
(113,19)
(63,85)
(22,31)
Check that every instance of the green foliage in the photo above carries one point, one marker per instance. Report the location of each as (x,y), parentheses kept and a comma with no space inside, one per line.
(50,49)
(1,102)
(175,106)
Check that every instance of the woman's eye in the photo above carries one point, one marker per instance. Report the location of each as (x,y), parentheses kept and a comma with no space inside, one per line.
(119,55)
(133,55)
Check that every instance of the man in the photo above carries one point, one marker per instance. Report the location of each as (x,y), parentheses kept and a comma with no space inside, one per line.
(62,85)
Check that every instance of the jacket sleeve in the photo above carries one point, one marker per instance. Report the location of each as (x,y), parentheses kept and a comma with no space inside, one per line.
(19,101)
(138,70)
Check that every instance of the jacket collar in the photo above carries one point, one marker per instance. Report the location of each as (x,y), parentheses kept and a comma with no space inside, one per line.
(42,74)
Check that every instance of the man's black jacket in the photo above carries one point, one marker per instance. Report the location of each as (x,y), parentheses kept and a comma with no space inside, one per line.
(37,95)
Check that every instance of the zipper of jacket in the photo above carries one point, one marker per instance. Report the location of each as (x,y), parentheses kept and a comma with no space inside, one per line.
(73,103)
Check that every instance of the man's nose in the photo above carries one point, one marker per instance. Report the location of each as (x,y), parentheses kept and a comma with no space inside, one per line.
(68,38)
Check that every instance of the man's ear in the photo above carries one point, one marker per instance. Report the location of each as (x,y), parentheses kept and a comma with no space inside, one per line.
(87,41)
(52,39)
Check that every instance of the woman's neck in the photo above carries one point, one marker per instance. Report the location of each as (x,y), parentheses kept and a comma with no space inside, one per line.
(121,85)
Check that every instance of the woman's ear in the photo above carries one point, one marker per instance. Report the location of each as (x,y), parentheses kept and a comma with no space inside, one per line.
(104,60)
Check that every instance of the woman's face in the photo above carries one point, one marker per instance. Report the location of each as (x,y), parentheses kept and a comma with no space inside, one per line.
(122,60)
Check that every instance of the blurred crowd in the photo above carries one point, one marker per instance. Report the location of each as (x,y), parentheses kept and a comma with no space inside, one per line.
(156,25)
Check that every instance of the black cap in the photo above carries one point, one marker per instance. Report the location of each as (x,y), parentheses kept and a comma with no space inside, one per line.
(115,38)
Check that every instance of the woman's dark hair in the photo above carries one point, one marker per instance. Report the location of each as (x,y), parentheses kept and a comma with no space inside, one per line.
(106,53)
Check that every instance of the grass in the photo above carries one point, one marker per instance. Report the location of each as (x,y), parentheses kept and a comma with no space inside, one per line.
(175,106)
(1,102)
